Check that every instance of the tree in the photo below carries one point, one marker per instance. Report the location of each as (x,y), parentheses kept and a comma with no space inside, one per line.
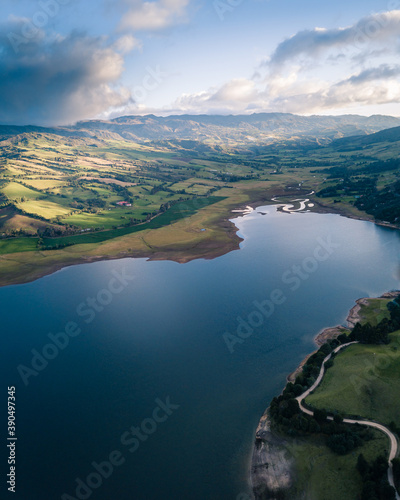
(298,389)
(396,469)
(320,416)
(362,465)
(387,492)
(338,419)
(290,408)
(314,427)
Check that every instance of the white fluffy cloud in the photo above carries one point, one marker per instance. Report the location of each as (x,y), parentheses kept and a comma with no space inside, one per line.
(348,93)
(153,16)
(126,44)
(374,86)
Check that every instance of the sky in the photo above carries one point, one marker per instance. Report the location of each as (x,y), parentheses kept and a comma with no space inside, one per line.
(62,61)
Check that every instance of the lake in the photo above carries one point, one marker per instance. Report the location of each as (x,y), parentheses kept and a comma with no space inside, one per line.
(146,380)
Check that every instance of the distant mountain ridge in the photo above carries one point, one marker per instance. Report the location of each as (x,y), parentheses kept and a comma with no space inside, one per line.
(261,128)
(387,135)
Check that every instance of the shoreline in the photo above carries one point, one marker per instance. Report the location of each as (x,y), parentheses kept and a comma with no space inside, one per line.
(321,208)
(321,338)
(331,332)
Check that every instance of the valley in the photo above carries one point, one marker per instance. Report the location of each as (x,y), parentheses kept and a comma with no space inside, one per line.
(86,193)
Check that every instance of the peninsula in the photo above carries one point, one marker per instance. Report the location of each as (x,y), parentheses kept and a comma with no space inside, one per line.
(331,420)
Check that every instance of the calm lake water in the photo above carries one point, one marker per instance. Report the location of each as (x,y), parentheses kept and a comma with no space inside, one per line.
(171,331)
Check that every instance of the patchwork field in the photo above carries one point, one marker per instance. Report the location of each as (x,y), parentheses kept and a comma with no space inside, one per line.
(16,191)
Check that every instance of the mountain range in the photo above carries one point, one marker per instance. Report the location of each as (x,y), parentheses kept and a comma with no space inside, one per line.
(258,128)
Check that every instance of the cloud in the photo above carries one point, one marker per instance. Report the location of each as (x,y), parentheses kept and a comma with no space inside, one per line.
(339,97)
(126,44)
(370,29)
(357,67)
(238,90)
(153,16)
(53,79)
(382,72)
(370,87)
(58,81)
(234,95)
(293,94)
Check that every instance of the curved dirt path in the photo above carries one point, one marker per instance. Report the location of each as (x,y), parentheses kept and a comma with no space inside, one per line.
(290,207)
(382,428)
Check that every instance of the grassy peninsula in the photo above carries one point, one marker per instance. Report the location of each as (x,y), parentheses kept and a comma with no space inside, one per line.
(317,457)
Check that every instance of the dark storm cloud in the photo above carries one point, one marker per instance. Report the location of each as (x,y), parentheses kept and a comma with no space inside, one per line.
(56,81)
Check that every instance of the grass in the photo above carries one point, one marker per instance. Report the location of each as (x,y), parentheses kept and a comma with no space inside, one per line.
(175,213)
(47,209)
(43,183)
(375,311)
(6,214)
(14,191)
(27,224)
(16,245)
(364,381)
(105,219)
(321,474)
(11,221)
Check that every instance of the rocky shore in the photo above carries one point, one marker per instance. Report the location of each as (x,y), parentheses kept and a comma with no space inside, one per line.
(272,468)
